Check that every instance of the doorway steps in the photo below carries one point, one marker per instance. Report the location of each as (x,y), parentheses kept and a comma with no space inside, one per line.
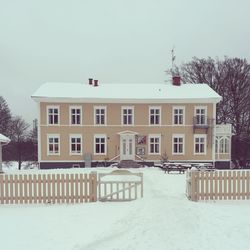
(129,164)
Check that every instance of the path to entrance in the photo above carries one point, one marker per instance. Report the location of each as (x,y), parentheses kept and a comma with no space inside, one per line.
(163,219)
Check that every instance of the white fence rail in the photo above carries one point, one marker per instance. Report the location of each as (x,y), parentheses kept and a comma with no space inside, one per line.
(48,188)
(120,185)
(218,185)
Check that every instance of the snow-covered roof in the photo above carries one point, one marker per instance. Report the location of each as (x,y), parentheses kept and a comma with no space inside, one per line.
(139,93)
(4,139)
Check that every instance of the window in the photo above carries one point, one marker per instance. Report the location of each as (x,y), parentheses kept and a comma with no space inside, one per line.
(178,144)
(200,144)
(75,115)
(178,115)
(154,115)
(53,115)
(53,145)
(127,115)
(100,144)
(100,115)
(222,144)
(200,115)
(154,144)
(75,144)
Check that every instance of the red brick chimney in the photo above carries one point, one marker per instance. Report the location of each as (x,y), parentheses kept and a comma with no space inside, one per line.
(90,81)
(95,83)
(177,80)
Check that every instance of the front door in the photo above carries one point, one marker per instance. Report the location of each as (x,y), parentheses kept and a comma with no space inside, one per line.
(127,146)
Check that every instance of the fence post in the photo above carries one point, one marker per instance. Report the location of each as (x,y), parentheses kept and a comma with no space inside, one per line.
(141,175)
(194,185)
(2,188)
(93,186)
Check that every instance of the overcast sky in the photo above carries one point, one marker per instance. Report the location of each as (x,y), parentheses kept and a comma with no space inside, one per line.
(123,41)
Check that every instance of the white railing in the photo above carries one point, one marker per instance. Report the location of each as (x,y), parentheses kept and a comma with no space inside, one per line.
(223,129)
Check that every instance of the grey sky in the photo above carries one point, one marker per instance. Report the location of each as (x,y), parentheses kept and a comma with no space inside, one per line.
(112,40)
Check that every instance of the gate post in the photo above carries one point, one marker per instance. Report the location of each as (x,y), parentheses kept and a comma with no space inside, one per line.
(93,186)
(194,185)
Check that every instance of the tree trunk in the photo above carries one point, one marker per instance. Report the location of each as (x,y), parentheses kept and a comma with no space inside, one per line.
(19,156)
(19,164)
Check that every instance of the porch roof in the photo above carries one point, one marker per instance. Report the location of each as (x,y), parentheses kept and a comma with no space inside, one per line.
(4,139)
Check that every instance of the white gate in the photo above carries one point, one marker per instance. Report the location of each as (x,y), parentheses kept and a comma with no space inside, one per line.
(120,185)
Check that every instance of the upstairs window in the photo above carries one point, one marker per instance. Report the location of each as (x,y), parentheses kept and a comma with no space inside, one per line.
(201,115)
(154,115)
(53,115)
(75,115)
(127,115)
(100,115)
(178,115)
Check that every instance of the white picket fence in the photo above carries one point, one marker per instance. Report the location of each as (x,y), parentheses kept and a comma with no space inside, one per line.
(70,188)
(48,188)
(218,185)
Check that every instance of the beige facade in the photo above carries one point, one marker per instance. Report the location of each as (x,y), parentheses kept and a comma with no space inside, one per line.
(83,124)
(120,138)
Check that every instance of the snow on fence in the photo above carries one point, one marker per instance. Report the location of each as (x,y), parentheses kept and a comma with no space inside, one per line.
(48,188)
(218,185)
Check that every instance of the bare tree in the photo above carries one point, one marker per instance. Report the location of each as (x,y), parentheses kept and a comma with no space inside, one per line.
(231,79)
(33,139)
(19,134)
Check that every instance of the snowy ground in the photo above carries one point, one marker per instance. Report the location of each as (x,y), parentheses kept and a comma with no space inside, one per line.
(163,219)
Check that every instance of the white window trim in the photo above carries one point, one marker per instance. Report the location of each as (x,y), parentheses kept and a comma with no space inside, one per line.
(154,136)
(205,143)
(217,140)
(133,115)
(105,147)
(184,111)
(70,118)
(201,107)
(105,115)
(47,110)
(178,136)
(59,143)
(75,136)
(149,120)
